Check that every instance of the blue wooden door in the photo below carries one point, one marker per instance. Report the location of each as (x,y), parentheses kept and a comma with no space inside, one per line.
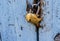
(14,27)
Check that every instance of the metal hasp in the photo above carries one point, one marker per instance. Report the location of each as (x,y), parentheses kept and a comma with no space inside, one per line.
(34,14)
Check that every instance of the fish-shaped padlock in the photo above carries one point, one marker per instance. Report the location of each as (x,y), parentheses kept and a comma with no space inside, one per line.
(33,18)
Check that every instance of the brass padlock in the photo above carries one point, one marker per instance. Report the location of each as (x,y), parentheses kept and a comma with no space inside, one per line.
(33,18)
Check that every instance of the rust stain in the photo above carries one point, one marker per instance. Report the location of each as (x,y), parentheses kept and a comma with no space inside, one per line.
(35,9)
(34,14)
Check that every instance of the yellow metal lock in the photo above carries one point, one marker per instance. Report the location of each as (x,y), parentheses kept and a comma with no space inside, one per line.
(33,18)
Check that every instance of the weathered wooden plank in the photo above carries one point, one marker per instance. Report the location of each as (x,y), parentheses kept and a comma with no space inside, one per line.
(46,33)
(56,16)
(8,33)
(14,26)
(26,31)
(51,21)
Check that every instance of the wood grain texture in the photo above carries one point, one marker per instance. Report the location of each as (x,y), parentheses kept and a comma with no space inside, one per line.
(13,25)
(51,20)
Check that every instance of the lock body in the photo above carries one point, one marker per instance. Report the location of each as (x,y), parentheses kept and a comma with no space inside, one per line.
(33,18)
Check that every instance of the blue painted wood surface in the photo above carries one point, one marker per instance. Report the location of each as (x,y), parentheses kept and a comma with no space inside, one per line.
(51,20)
(14,27)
